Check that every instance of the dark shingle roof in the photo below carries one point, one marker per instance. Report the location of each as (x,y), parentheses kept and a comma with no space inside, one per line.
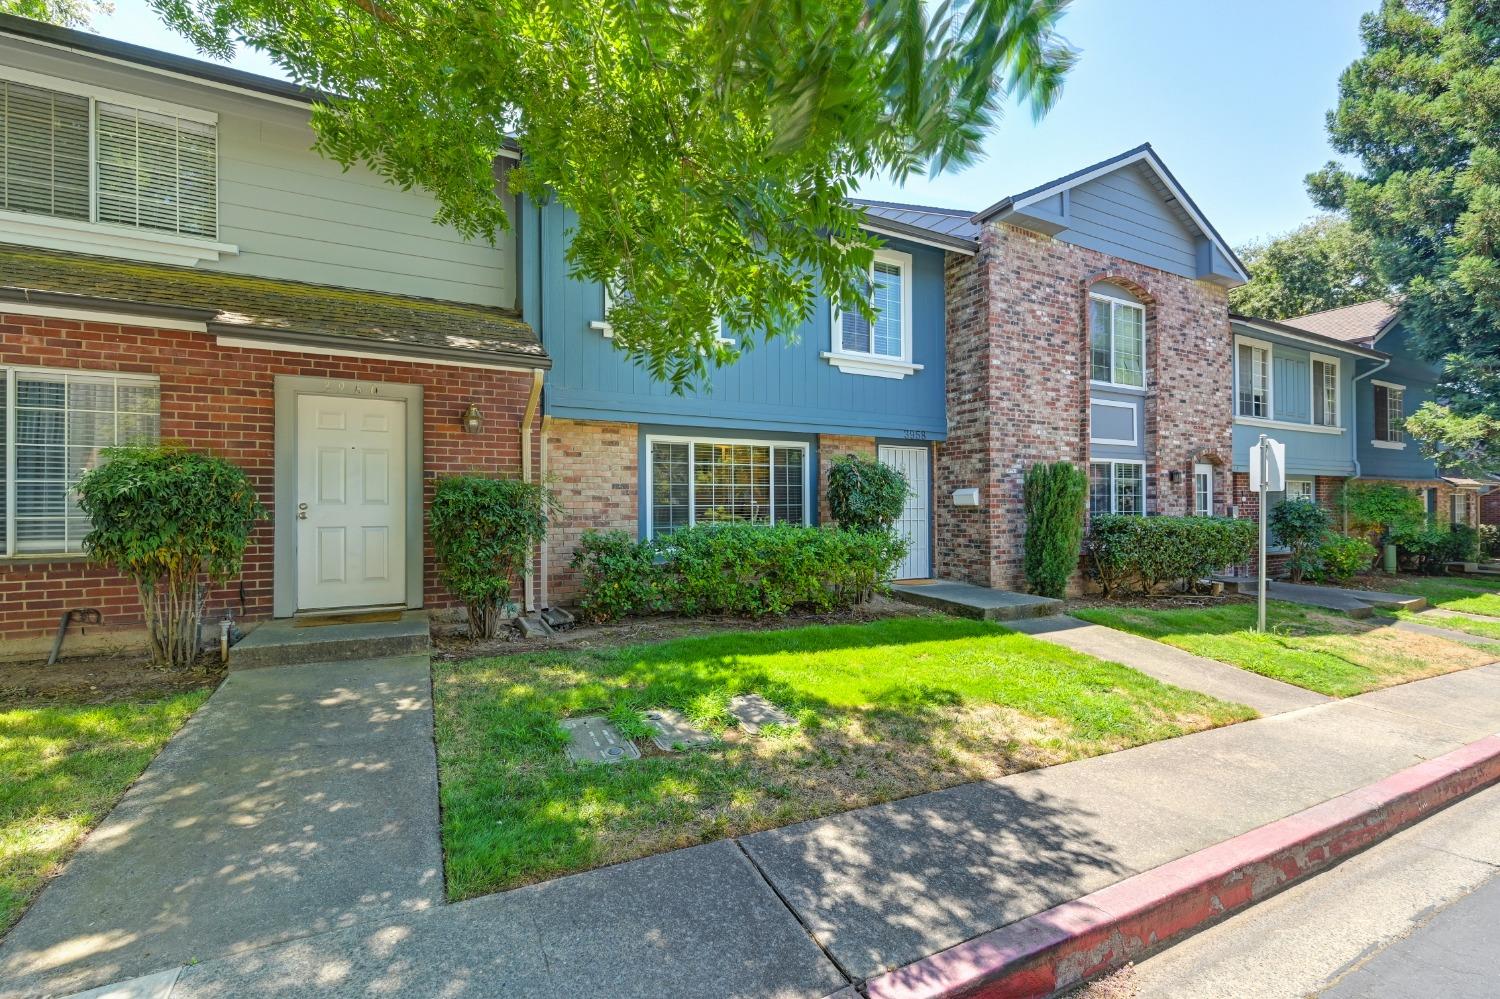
(256,306)
(1360,323)
(949,226)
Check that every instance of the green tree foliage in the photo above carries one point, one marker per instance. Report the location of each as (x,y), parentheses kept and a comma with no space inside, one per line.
(1420,113)
(708,147)
(174,521)
(64,13)
(1454,440)
(1379,509)
(1300,526)
(483,533)
(865,494)
(1323,264)
(1054,499)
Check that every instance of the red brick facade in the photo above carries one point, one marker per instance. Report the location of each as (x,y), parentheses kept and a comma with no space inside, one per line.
(222,399)
(594,471)
(1018,388)
(1489,509)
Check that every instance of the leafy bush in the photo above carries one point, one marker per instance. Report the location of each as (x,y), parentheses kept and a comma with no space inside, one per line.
(483,533)
(1464,544)
(1054,502)
(1146,552)
(1300,526)
(173,520)
(864,494)
(745,570)
(1430,549)
(620,577)
(1380,509)
(1489,540)
(1338,558)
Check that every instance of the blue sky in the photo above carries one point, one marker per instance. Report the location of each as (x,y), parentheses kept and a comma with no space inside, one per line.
(1232,95)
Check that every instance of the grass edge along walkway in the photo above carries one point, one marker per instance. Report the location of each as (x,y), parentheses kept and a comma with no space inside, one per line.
(65,766)
(884,710)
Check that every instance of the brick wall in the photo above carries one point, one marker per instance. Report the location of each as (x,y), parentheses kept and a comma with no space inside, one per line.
(222,399)
(594,470)
(1490,507)
(831,446)
(1017,385)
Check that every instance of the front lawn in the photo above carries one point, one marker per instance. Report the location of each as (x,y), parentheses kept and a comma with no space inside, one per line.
(1460,593)
(883,710)
(1320,650)
(1454,622)
(65,766)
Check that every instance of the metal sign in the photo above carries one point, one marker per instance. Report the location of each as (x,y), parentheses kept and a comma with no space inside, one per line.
(1268,458)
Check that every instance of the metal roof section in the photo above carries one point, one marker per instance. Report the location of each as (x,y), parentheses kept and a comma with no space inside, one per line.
(949,228)
(1045,209)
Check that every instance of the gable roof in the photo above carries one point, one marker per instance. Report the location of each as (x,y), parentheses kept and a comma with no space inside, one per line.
(1361,324)
(272,309)
(951,228)
(1354,348)
(1171,191)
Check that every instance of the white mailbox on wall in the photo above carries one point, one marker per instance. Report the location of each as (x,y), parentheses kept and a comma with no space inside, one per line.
(966,497)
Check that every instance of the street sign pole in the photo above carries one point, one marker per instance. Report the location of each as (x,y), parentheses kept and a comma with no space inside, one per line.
(1264,455)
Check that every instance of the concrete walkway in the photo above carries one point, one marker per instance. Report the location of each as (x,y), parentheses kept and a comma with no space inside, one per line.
(327,882)
(1171,665)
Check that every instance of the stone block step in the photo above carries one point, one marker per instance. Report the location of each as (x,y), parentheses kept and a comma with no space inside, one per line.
(283,643)
(982,602)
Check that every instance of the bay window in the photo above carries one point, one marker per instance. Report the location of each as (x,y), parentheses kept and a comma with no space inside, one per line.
(55,425)
(704,481)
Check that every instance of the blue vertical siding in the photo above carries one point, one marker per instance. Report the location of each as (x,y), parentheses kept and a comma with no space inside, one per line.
(785,386)
(1420,379)
(1123,214)
(1310,451)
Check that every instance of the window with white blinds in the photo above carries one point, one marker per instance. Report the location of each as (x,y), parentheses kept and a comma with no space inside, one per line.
(54,426)
(73,156)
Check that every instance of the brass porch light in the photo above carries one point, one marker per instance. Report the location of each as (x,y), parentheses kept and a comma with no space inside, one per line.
(473,419)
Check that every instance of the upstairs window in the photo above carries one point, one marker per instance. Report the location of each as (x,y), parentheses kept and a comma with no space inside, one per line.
(1117,341)
(883,347)
(1325,391)
(1253,380)
(1390,413)
(88,158)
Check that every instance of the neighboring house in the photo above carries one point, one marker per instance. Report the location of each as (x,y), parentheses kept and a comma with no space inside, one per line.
(1357,361)
(1083,320)
(176,263)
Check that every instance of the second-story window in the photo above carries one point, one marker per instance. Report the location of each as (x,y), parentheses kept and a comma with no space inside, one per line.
(1253,381)
(889,336)
(1325,391)
(1390,413)
(86,158)
(1117,341)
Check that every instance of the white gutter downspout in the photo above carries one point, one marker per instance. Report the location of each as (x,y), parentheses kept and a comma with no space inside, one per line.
(526,420)
(1354,422)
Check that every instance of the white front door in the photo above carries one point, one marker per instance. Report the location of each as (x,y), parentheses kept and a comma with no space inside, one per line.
(914,524)
(351,502)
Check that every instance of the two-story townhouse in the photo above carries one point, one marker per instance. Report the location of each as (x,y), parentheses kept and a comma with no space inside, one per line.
(1083,320)
(177,263)
(1357,362)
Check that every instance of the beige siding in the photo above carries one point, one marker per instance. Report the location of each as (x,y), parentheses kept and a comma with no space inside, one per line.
(294,214)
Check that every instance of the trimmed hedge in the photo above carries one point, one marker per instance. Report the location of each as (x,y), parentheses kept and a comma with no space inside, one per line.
(1144,553)
(745,570)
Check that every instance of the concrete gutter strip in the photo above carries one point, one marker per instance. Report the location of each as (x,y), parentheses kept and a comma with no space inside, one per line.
(1070,943)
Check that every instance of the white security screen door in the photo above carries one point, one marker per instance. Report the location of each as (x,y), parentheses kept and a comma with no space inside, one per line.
(914,524)
(351,502)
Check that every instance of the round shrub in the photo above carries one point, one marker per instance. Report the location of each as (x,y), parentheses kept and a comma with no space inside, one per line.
(1339,558)
(483,533)
(1054,499)
(620,576)
(864,494)
(175,521)
(1300,526)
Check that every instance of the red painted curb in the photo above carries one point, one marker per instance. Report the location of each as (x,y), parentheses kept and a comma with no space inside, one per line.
(1078,940)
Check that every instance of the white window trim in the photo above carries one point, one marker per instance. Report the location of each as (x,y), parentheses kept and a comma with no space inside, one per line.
(1134,423)
(603,327)
(1270,417)
(1311,428)
(1115,300)
(92,236)
(8,449)
(1114,496)
(1389,445)
(1312,488)
(692,439)
(1316,391)
(871,363)
(1207,470)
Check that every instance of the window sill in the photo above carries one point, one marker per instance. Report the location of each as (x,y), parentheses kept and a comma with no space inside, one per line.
(116,241)
(876,366)
(1315,428)
(36,558)
(1389,445)
(1118,387)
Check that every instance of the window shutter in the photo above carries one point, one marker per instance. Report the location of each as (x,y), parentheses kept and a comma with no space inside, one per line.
(157,172)
(1382,414)
(44,146)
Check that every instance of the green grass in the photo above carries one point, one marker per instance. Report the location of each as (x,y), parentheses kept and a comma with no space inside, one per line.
(883,710)
(65,766)
(1481,629)
(1475,596)
(1320,650)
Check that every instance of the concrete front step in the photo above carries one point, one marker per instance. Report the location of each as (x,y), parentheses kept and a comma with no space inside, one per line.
(1355,603)
(968,600)
(283,643)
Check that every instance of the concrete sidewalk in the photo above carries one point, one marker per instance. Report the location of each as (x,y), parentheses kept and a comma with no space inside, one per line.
(801,911)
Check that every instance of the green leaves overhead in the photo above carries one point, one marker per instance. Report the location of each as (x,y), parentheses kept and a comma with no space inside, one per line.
(1323,264)
(706,147)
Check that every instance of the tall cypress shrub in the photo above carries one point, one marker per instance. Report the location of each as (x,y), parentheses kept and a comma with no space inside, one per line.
(1054,503)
